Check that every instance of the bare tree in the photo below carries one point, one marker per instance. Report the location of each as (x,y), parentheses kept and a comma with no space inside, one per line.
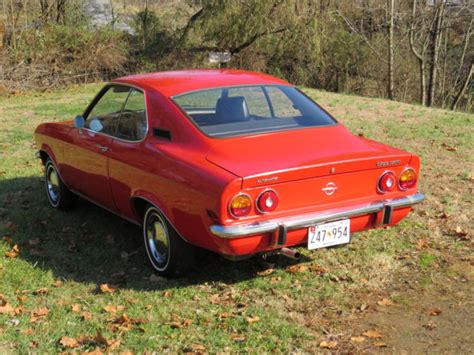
(390,11)
(435,44)
(463,88)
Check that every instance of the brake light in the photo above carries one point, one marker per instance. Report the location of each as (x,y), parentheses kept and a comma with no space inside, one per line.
(240,205)
(387,182)
(267,201)
(407,179)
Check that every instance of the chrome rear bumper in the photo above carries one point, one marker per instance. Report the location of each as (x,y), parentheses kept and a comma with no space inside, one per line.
(306,220)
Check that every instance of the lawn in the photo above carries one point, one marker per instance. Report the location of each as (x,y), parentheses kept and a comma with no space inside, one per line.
(77,281)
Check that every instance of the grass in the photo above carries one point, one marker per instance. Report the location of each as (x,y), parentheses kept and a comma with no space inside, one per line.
(223,306)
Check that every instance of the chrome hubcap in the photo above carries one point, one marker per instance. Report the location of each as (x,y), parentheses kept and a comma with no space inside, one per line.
(157,238)
(52,184)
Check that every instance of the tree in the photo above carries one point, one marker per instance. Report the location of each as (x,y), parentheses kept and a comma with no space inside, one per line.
(434,49)
(390,11)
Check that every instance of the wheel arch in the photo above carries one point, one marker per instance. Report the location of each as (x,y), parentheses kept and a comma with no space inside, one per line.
(46,152)
(139,203)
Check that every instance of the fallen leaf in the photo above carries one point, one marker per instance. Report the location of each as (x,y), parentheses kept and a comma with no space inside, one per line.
(166,294)
(107,288)
(328,344)
(39,314)
(297,268)
(27,331)
(266,272)
(86,315)
(223,315)
(380,344)
(251,320)
(450,148)
(14,252)
(461,234)
(6,308)
(318,269)
(385,302)
(237,337)
(430,326)
(434,311)
(21,299)
(69,342)
(76,308)
(57,283)
(373,334)
(41,291)
(8,240)
(113,309)
(358,339)
(422,244)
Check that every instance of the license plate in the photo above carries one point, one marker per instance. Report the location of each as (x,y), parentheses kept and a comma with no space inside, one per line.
(329,234)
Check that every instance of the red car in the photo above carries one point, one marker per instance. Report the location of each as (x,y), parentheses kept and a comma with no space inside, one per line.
(235,162)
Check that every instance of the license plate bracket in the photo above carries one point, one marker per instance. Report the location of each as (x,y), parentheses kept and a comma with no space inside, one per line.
(329,234)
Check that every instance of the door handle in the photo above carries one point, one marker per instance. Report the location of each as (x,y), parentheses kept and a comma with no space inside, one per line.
(103,148)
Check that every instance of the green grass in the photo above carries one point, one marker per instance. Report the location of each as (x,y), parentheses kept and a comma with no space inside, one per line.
(209,309)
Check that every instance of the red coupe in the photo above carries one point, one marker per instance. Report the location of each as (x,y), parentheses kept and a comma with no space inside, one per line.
(235,162)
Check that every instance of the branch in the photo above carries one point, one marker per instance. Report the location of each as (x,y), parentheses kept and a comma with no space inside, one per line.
(351,26)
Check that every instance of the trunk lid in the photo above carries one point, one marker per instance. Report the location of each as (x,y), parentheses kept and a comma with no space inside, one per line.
(302,154)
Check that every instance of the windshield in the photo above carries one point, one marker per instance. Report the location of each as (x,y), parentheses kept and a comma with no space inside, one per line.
(246,110)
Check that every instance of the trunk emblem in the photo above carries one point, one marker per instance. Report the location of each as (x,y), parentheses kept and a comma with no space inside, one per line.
(330,188)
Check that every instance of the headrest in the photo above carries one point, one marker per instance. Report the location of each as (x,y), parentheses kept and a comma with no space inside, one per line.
(232,109)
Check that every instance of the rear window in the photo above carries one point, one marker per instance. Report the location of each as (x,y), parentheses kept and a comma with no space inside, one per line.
(248,110)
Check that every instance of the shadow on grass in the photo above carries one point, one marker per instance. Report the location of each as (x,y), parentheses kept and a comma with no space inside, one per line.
(89,244)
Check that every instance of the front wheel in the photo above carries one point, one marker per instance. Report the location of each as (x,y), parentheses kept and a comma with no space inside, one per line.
(59,196)
(166,251)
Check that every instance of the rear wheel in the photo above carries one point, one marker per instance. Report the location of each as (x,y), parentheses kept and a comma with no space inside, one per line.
(59,196)
(166,251)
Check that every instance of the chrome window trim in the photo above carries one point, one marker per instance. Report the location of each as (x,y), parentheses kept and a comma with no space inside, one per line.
(101,94)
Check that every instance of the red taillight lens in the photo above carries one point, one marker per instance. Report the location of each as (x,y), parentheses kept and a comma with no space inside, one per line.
(407,179)
(387,182)
(240,205)
(267,201)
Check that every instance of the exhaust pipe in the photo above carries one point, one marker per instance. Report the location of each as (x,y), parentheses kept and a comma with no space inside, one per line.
(290,253)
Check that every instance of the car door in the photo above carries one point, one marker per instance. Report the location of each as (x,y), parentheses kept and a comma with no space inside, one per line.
(88,156)
(126,160)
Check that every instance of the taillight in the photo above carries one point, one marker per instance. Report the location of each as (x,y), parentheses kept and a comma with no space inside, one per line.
(240,205)
(267,201)
(387,182)
(407,179)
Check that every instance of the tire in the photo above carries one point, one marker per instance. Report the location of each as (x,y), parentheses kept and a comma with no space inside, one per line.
(59,196)
(167,253)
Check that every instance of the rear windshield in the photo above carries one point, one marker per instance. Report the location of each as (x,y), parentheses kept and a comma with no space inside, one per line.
(247,110)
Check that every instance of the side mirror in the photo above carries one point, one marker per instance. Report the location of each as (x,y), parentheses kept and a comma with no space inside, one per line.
(79,122)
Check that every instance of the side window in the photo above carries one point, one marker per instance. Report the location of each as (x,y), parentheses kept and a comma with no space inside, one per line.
(104,115)
(133,122)
(282,105)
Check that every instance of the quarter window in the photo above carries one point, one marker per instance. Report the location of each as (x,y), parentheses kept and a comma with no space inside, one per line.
(133,122)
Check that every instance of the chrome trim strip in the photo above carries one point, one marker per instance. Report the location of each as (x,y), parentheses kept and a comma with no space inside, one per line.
(303,221)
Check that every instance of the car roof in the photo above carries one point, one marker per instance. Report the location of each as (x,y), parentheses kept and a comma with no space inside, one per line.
(171,83)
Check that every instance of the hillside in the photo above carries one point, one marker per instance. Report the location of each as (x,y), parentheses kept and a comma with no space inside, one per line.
(404,288)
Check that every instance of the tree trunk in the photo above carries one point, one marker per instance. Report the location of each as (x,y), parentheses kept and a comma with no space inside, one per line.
(419,56)
(464,87)
(435,44)
(390,89)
